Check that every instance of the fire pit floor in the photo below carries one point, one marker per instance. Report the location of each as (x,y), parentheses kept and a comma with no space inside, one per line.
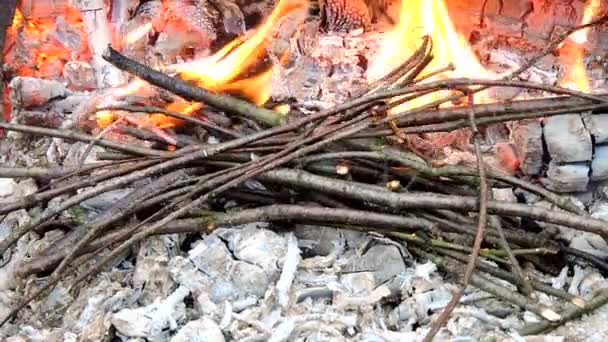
(291,171)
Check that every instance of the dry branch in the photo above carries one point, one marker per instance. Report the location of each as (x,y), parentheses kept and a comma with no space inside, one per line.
(425,200)
(193,93)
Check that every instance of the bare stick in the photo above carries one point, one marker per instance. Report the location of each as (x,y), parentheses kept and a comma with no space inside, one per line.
(71,135)
(267,213)
(118,211)
(31,200)
(481,227)
(515,267)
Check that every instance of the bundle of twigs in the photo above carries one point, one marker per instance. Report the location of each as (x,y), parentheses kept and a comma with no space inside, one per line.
(303,155)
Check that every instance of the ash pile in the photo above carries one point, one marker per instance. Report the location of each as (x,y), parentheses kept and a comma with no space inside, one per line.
(303,171)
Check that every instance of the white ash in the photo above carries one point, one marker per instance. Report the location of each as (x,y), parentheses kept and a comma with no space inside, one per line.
(250,283)
(153,321)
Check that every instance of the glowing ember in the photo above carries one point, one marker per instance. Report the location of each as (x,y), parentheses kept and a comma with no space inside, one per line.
(427,17)
(45,43)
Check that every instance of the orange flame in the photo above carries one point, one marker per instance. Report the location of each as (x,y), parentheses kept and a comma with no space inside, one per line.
(427,17)
(226,70)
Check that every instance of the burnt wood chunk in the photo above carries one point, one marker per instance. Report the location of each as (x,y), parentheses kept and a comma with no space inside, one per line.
(344,15)
(378,9)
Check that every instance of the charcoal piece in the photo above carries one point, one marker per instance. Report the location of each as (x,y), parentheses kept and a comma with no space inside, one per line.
(232,17)
(597,124)
(567,138)
(599,165)
(194,17)
(570,177)
(378,9)
(344,15)
(79,75)
(529,146)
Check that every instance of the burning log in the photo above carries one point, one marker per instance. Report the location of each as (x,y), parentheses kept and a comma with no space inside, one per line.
(232,17)
(44,8)
(94,16)
(344,15)
(28,92)
(187,25)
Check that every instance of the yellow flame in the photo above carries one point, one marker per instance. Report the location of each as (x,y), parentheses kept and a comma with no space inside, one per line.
(17,19)
(592,8)
(219,72)
(224,71)
(427,17)
(573,53)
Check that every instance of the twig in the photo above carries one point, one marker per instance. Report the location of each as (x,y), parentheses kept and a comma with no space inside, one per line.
(425,200)
(530,240)
(71,135)
(481,227)
(502,274)
(409,160)
(96,141)
(46,173)
(498,291)
(116,183)
(554,44)
(154,110)
(272,213)
(501,292)
(522,282)
(498,111)
(593,259)
(462,123)
(118,211)
(32,200)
